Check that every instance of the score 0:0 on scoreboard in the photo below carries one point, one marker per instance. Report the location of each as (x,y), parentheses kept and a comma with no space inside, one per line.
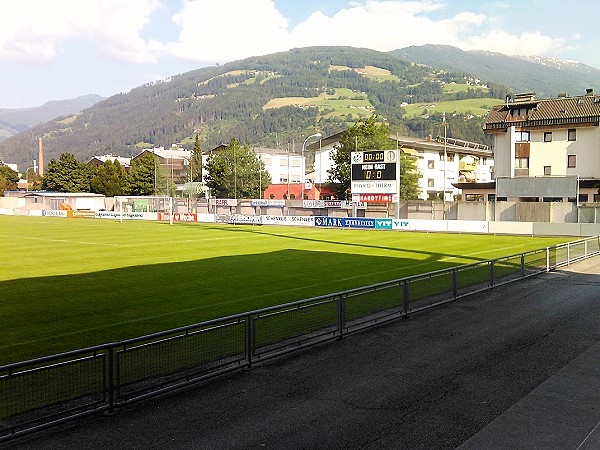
(375,171)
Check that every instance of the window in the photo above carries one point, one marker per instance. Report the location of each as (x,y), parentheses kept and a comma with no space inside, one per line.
(547,171)
(522,163)
(430,182)
(283,180)
(431,164)
(272,196)
(572,136)
(571,161)
(548,136)
(522,136)
(483,160)
(515,112)
(451,157)
(441,156)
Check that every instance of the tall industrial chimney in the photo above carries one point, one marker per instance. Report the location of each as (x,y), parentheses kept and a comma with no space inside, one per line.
(40,156)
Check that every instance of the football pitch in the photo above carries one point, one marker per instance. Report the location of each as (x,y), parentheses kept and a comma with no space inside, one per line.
(72,283)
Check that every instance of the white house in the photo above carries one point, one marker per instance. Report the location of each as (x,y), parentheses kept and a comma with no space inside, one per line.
(547,140)
(466,162)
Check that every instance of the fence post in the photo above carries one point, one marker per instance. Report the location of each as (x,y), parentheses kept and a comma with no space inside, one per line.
(111,383)
(454,288)
(522,265)
(341,315)
(405,297)
(492,281)
(547,259)
(250,339)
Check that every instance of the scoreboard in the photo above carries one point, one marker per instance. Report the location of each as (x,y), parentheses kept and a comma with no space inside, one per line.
(375,172)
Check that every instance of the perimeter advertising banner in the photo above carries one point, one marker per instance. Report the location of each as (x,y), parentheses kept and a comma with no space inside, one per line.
(345,222)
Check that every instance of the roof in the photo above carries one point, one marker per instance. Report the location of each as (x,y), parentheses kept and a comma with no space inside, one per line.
(409,142)
(557,111)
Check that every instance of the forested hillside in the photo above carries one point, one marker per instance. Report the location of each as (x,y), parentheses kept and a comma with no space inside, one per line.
(271,100)
(545,76)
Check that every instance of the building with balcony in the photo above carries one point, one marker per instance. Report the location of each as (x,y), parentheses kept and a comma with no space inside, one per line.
(442,164)
(547,139)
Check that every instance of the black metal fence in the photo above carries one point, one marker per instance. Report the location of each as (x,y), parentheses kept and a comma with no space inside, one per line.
(40,393)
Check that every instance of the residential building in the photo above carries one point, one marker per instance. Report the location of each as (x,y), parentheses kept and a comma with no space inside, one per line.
(173,161)
(284,166)
(547,139)
(97,161)
(441,163)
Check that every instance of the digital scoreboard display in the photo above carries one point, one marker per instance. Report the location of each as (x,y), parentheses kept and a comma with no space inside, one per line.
(375,172)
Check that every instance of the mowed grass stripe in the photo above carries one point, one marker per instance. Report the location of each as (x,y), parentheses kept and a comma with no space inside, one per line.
(70,283)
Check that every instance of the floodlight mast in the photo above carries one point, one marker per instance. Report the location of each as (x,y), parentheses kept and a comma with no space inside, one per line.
(316,135)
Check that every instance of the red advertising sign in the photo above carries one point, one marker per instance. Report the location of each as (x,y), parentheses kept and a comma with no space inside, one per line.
(178,217)
(377,198)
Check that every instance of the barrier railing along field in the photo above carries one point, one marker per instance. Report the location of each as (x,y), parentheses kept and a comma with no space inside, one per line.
(43,392)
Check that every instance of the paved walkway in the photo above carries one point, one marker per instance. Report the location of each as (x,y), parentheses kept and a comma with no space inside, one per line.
(516,367)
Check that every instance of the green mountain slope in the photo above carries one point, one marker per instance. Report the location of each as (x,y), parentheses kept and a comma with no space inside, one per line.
(23,118)
(269,100)
(547,77)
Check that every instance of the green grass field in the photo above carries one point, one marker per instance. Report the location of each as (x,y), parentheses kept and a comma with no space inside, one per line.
(70,283)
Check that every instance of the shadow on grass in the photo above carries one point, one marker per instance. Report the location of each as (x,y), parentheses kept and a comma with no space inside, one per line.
(47,315)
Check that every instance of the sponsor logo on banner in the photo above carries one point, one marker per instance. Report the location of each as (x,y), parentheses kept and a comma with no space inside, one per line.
(376,198)
(383,224)
(185,217)
(223,201)
(398,224)
(85,213)
(374,187)
(343,204)
(344,222)
(269,203)
(243,219)
(54,213)
(117,215)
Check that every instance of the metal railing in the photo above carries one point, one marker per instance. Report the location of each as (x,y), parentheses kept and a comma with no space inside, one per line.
(43,392)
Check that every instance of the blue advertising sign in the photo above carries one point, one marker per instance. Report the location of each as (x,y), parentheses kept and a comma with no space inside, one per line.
(345,222)
(383,224)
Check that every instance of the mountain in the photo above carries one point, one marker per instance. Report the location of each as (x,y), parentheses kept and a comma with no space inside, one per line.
(272,100)
(547,77)
(279,99)
(15,120)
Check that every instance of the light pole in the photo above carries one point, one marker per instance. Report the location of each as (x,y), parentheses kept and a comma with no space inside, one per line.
(303,166)
(34,167)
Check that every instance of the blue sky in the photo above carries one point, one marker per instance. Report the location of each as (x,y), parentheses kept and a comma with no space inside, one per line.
(60,49)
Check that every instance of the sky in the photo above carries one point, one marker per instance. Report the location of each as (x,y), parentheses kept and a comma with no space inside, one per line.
(62,49)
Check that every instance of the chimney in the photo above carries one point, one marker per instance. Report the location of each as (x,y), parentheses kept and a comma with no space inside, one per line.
(41,156)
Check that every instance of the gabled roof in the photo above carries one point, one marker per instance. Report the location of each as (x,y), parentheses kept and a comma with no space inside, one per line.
(557,111)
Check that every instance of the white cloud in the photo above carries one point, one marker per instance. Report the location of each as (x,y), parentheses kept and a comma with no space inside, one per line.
(223,30)
(35,31)
(528,43)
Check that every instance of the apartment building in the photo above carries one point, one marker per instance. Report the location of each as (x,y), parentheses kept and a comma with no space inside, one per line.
(540,146)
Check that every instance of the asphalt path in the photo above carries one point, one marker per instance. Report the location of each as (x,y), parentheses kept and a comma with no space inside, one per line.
(514,367)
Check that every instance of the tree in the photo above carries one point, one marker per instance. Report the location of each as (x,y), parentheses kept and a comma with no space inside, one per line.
(8,179)
(196,161)
(67,175)
(409,178)
(33,179)
(363,135)
(236,172)
(142,176)
(110,179)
